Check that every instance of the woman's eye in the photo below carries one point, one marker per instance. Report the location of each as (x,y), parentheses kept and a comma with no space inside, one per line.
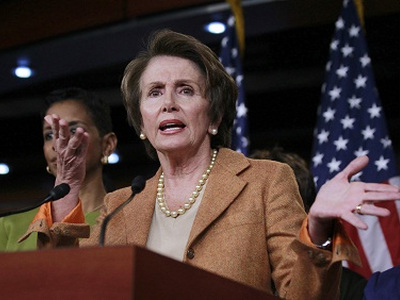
(154,93)
(72,131)
(48,136)
(187,91)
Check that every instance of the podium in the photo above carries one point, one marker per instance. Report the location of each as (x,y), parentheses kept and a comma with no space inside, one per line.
(124,272)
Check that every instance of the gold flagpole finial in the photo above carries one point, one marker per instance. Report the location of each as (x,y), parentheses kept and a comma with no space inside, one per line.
(236,6)
(360,11)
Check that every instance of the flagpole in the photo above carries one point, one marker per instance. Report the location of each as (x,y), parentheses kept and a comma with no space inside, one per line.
(360,11)
(236,7)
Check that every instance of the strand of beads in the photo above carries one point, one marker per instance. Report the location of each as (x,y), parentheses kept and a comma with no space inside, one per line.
(192,199)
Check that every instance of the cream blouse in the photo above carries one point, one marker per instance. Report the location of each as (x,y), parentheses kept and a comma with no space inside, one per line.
(168,236)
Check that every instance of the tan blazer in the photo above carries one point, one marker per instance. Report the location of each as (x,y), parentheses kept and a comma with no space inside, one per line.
(246,229)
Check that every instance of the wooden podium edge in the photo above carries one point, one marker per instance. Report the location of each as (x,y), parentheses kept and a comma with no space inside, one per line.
(120,272)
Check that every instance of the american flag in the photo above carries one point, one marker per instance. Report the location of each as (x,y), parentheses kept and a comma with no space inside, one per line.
(351,123)
(230,58)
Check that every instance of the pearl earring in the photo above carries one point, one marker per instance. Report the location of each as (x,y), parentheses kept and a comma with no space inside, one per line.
(142,136)
(104,160)
(48,170)
(214,131)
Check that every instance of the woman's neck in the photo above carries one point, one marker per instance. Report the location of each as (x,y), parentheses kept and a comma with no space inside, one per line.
(92,192)
(184,163)
(181,177)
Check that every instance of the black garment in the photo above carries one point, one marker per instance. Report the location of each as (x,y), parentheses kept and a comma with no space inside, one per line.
(352,285)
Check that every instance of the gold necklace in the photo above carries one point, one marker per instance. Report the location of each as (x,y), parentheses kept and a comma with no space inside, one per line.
(192,199)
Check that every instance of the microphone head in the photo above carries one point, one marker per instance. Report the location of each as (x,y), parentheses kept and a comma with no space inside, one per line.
(59,191)
(138,184)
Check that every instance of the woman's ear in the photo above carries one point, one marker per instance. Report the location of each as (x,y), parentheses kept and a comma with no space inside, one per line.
(110,141)
(213,128)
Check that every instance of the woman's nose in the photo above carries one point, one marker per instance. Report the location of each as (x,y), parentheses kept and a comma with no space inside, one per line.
(169,103)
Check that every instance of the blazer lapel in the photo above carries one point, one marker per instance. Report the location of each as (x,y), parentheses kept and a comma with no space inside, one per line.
(138,217)
(223,187)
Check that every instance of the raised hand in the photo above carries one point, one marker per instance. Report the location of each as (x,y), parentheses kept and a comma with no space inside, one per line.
(71,162)
(340,198)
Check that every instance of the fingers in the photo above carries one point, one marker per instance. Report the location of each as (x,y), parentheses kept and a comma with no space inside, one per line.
(371,209)
(63,133)
(84,145)
(62,138)
(376,192)
(364,209)
(380,196)
(53,120)
(355,166)
(380,187)
(78,142)
(354,220)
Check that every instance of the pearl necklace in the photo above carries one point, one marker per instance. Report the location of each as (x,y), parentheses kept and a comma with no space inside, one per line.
(160,191)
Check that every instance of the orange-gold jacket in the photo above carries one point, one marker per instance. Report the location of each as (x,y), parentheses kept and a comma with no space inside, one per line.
(250,227)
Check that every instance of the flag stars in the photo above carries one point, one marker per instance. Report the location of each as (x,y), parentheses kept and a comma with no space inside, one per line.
(230,58)
(374,111)
(335,93)
(317,159)
(239,80)
(230,70)
(234,52)
(386,142)
(224,42)
(231,21)
(334,165)
(245,142)
(339,23)
(348,117)
(347,122)
(354,31)
(316,180)
(361,152)
(368,133)
(241,110)
(323,136)
(323,87)
(354,102)
(329,114)
(356,177)
(347,50)
(365,60)
(381,163)
(360,81)
(341,143)
(342,71)
(334,45)
(328,66)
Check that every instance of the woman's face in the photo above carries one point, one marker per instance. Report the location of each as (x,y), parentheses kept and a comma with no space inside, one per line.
(76,115)
(173,106)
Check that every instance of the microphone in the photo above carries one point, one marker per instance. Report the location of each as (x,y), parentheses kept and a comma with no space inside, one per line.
(137,186)
(56,193)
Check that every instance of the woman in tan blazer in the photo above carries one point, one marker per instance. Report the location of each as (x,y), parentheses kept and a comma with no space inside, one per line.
(207,205)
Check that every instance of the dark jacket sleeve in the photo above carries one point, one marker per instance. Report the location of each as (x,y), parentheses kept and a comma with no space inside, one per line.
(383,285)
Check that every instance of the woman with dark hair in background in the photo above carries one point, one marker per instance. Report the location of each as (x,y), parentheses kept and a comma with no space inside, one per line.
(83,109)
